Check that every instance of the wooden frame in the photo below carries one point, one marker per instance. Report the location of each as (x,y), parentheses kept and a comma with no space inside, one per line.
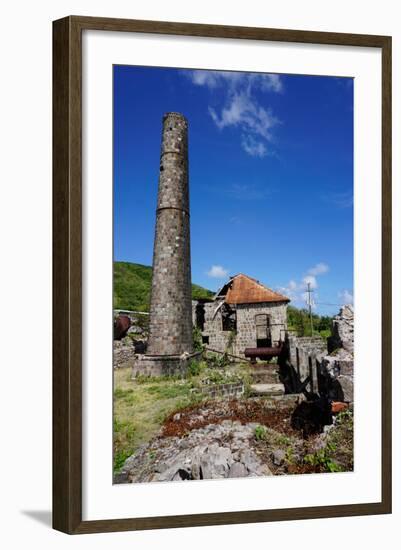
(67,279)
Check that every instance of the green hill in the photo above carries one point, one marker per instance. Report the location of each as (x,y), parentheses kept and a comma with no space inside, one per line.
(132,284)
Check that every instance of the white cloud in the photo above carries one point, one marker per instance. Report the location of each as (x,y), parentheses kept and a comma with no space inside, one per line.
(297,290)
(253,147)
(272,82)
(292,285)
(342,200)
(310,280)
(217,272)
(214,79)
(318,269)
(247,191)
(346,297)
(241,108)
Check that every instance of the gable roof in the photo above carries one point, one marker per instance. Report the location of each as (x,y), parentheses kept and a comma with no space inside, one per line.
(242,289)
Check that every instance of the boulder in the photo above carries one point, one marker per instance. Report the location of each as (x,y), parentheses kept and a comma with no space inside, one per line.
(278,457)
(237,470)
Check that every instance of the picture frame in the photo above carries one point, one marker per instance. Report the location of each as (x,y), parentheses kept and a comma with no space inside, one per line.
(67,274)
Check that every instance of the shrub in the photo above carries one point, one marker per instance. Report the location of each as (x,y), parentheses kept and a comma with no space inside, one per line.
(197,339)
(194,368)
(217,361)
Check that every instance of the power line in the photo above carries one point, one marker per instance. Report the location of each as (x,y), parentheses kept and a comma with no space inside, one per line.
(326,304)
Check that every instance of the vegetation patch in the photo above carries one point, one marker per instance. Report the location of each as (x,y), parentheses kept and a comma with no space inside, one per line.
(141,406)
(322,453)
(299,321)
(132,284)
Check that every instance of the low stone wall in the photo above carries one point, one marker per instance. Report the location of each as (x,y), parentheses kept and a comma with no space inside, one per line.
(232,389)
(122,355)
(306,352)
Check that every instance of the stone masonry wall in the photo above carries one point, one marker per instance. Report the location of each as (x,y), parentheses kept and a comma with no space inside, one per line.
(170,331)
(338,367)
(306,354)
(246,323)
(218,339)
(245,335)
(123,354)
(232,389)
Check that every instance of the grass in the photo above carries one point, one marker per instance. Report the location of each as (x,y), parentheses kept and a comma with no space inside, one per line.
(140,409)
(142,405)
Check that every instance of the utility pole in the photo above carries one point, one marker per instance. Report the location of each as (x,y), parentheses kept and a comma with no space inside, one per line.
(309,291)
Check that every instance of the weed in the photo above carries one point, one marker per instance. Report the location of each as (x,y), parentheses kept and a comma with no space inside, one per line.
(119,458)
(322,458)
(283,440)
(289,456)
(260,433)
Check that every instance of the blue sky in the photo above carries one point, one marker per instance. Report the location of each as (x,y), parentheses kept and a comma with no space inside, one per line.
(271,176)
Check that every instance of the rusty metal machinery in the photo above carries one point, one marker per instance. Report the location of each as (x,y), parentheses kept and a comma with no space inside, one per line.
(121,325)
(263,353)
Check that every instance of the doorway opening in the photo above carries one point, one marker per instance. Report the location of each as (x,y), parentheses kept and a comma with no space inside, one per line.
(263,332)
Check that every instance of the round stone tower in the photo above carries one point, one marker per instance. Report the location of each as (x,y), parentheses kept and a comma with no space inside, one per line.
(170,332)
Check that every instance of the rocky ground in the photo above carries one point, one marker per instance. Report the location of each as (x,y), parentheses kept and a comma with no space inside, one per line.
(170,430)
(237,438)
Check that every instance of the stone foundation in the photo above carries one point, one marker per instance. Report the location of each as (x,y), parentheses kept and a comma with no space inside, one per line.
(163,365)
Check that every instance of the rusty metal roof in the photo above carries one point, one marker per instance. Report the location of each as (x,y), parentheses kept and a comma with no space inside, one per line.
(246,290)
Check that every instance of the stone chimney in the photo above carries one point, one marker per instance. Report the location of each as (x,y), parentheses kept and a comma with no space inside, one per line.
(171,305)
(170,343)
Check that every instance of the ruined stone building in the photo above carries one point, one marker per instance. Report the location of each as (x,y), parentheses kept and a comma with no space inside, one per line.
(243,314)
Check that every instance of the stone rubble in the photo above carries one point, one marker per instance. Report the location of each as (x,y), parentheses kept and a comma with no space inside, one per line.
(216,451)
(338,366)
(343,330)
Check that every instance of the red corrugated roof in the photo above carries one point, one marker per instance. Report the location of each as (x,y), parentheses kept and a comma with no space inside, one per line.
(246,290)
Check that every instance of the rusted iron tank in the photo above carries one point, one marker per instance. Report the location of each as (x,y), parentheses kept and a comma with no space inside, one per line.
(121,325)
(263,353)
